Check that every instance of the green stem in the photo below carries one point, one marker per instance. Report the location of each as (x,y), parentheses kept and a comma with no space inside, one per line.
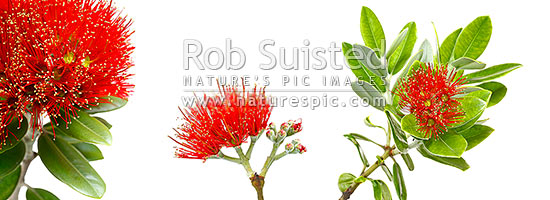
(270,159)
(229,158)
(244,162)
(251,147)
(30,155)
(387,153)
(281,155)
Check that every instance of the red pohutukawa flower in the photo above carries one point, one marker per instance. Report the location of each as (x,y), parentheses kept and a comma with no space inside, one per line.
(224,120)
(60,56)
(430,94)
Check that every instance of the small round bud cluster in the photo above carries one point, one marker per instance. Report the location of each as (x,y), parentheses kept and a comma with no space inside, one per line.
(274,135)
(292,126)
(295,147)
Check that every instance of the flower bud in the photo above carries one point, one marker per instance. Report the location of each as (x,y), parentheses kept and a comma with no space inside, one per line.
(295,126)
(301,148)
(272,126)
(276,136)
(295,147)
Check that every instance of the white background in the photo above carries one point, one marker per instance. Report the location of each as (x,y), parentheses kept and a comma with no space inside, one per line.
(511,164)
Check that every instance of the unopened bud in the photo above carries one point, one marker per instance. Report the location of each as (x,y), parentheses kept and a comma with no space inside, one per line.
(295,126)
(295,147)
(301,148)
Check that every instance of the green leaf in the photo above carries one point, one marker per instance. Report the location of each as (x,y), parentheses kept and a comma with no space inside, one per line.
(353,140)
(400,38)
(398,59)
(90,151)
(353,57)
(399,136)
(368,59)
(387,171)
(381,190)
(410,125)
(104,122)
(109,103)
(476,134)
(345,180)
(39,194)
(370,124)
(408,160)
(473,108)
(9,182)
(372,32)
(498,91)
(481,93)
(68,165)
(448,46)
(473,40)
(369,94)
(467,63)
(448,144)
(459,163)
(14,133)
(399,182)
(491,72)
(427,55)
(361,137)
(11,159)
(86,128)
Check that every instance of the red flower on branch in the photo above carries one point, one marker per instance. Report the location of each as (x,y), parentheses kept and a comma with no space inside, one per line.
(57,57)
(429,94)
(224,120)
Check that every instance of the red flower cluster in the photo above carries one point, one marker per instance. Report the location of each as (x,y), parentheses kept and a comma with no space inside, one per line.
(224,120)
(59,56)
(429,94)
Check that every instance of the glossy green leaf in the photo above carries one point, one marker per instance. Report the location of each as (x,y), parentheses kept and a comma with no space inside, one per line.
(108,104)
(398,59)
(387,171)
(86,128)
(481,93)
(399,136)
(397,42)
(415,60)
(410,125)
(15,134)
(449,144)
(361,72)
(39,194)
(11,159)
(467,63)
(68,165)
(427,52)
(491,72)
(105,122)
(60,132)
(381,190)
(90,151)
(8,183)
(399,182)
(473,108)
(448,46)
(372,31)
(408,160)
(459,163)
(473,40)
(498,91)
(345,180)
(353,140)
(369,94)
(476,134)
